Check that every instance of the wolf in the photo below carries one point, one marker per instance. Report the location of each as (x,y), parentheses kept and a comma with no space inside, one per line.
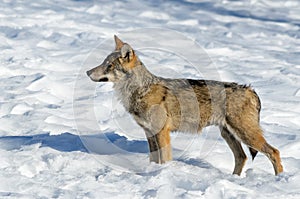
(162,105)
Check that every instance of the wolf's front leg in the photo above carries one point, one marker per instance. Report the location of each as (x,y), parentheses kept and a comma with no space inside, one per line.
(158,134)
(160,146)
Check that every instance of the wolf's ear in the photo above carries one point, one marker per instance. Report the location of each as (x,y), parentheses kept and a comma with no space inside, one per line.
(119,43)
(127,52)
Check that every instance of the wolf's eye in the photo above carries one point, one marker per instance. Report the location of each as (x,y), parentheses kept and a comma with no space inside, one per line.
(109,66)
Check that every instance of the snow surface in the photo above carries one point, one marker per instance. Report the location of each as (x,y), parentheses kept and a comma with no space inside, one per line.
(63,136)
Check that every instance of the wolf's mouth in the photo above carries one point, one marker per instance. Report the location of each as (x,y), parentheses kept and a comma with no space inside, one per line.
(104,79)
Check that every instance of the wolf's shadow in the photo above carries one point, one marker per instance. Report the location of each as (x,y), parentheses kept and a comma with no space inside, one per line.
(102,144)
(105,143)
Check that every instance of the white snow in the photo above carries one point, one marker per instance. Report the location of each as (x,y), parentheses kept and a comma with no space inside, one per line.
(64,136)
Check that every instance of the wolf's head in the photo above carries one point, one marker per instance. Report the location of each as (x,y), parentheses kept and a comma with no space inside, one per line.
(116,65)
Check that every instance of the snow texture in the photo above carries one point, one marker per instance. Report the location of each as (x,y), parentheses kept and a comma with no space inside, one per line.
(64,136)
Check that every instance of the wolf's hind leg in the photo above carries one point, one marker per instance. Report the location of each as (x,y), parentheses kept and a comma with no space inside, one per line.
(236,147)
(274,156)
(253,137)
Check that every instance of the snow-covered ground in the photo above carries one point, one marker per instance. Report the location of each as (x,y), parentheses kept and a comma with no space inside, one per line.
(64,136)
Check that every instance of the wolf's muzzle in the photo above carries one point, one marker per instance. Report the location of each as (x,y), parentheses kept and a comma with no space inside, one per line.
(89,72)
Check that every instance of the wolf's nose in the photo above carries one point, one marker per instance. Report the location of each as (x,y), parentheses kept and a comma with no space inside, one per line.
(89,72)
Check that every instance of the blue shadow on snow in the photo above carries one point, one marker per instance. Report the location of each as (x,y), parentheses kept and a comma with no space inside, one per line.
(106,143)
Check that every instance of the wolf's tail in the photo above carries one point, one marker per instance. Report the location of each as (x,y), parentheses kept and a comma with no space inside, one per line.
(253,152)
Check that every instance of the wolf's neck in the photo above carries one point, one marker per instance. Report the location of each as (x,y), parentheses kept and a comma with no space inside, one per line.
(137,83)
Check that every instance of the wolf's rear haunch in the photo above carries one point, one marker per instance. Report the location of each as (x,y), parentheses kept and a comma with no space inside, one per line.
(160,105)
